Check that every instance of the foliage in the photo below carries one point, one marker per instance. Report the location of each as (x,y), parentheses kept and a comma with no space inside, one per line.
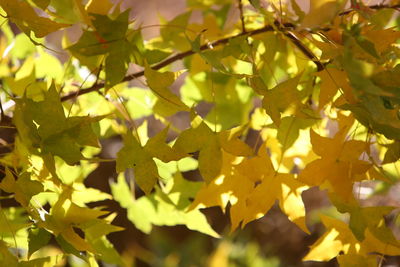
(319,87)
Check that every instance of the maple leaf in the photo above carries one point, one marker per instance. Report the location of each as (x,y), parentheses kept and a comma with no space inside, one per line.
(339,238)
(281,98)
(44,125)
(133,155)
(272,186)
(24,188)
(252,187)
(159,82)
(109,39)
(333,80)
(210,144)
(167,207)
(341,158)
(321,12)
(64,215)
(99,6)
(22,14)
(229,187)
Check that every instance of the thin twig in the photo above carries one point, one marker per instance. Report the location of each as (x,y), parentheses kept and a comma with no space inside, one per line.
(241,15)
(376,7)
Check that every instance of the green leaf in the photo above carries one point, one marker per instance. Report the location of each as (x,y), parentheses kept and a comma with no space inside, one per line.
(38,238)
(289,130)
(43,125)
(159,83)
(393,153)
(281,98)
(158,208)
(68,248)
(133,155)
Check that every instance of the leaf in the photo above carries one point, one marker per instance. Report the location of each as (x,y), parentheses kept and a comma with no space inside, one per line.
(101,7)
(38,238)
(43,125)
(6,256)
(289,130)
(70,11)
(282,97)
(393,153)
(22,14)
(23,188)
(230,142)
(363,218)
(333,80)
(341,158)
(133,155)
(157,147)
(321,12)
(338,237)
(356,260)
(159,82)
(68,248)
(202,139)
(109,39)
(158,209)
(252,187)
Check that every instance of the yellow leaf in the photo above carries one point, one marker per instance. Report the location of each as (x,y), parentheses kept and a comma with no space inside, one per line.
(340,158)
(382,39)
(75,240)
(337,238)
(159,82)
(229,187)
(210,159)
(351,260)
(373,244)
(157,147)
(281,98)
(282,187)
(333,80)
(231,143)
(23,188)
(22,14)
(257,168)
(101,7)
(321,12)
(201,138)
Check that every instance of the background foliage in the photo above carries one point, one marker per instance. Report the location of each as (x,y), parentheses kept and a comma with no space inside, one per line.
(112,129)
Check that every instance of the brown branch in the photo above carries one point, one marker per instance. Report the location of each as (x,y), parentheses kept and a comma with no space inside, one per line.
(176,57)
(241,15)
(284,28)
(307,52)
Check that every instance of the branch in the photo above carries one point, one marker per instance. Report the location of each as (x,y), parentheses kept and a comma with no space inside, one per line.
(241,15)
(177,57)
(282,27)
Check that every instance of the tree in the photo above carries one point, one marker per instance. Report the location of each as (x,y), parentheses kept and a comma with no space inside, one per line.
(318,88)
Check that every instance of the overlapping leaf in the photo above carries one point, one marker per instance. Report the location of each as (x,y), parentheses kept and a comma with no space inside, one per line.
(43,125)
(22,14)
(339,238)
(252,187)
(338,156)
(163,208)
(140,158)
